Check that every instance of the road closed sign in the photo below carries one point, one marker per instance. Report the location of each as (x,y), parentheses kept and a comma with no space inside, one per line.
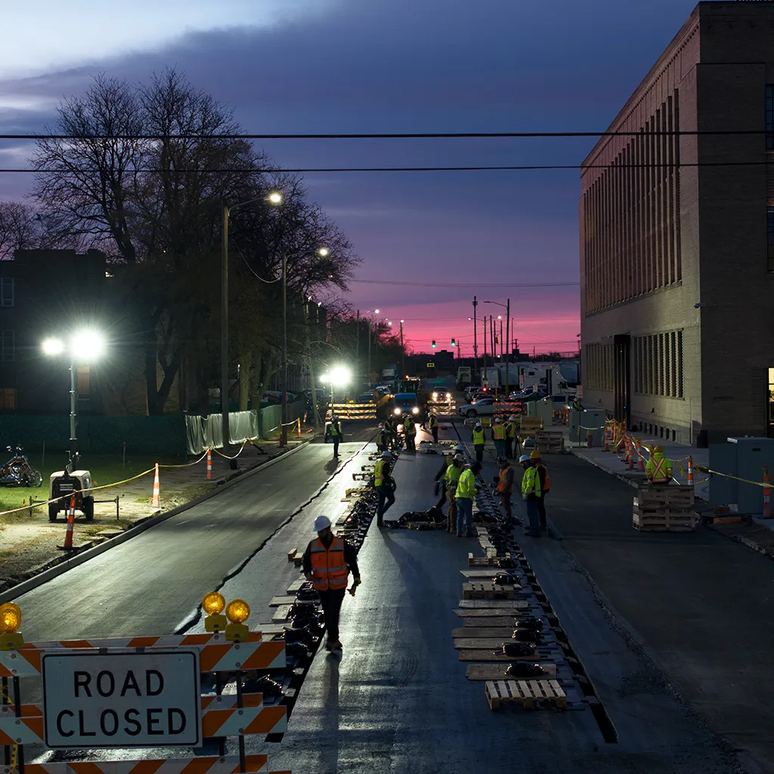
(122,699)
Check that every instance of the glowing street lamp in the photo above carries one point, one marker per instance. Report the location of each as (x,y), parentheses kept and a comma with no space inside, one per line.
(338,376)
(84,346)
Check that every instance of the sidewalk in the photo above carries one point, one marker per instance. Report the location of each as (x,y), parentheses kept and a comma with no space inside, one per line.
(755,533)
(29,542)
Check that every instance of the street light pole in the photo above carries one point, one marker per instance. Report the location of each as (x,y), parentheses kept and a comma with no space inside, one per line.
(475,339)
(357,346)
(507,346)
(73,409)
(402,350)
(284,409)
(224,331)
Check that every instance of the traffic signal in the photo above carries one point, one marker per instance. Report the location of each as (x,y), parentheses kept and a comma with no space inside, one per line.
(454,342)
(433,344)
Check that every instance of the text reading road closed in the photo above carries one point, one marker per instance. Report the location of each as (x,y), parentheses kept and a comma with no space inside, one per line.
(121,699)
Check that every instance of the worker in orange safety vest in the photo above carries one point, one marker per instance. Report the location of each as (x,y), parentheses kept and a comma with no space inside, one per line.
(327,562)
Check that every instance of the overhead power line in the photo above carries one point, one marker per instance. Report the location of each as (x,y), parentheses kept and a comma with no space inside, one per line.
(475,168)
(387,135)
(474,283)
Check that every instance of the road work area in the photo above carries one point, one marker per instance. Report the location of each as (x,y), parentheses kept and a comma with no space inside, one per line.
(672,629)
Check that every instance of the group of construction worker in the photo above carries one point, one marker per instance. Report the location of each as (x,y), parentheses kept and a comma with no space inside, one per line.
(387,437)
(504,434)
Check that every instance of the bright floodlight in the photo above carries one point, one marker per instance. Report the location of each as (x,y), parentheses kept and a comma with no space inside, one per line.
(275,197)
(323,251)
(87,345)
(53,346)
(376,311)
(340,376)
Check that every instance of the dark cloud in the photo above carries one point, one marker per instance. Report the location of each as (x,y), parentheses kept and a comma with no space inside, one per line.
(430,66)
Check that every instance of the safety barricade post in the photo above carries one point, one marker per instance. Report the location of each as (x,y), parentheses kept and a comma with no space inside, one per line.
(299,426)
(766,494)
(209,464)
(630,453)
(640,457)
(156,500)
(68,541)
(690,470)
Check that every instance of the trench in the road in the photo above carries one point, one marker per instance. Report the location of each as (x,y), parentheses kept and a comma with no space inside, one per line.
(195,617)
(600,714)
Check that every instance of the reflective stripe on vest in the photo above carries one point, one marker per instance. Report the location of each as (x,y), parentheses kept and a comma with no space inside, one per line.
(502,485)
(660,474)
(530,484)
(408,426)
(498,433)
(466,486)
(433,421)
(478,437)
(328,565)
(510,429)
(546,485)
(452,476)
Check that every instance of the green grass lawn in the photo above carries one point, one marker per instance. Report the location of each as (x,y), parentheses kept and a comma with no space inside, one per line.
(105,469)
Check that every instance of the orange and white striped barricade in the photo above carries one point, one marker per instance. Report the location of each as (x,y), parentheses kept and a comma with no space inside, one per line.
(209,464)
(216,715)
(156,499)
(690,470)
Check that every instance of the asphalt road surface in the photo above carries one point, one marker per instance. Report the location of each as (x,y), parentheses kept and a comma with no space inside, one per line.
(151,583)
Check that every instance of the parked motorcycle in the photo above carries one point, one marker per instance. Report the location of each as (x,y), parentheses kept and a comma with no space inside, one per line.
(18,472)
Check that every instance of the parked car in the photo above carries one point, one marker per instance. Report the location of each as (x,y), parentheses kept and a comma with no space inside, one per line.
(480,407)
(365,397)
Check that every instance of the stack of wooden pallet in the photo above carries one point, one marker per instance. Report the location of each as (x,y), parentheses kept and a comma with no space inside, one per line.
(549,441)
(664,509)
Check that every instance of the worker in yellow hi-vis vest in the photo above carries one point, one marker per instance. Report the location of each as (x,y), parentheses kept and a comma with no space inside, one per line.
(659,468)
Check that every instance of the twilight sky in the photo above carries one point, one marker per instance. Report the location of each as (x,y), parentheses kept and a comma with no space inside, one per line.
(327,66)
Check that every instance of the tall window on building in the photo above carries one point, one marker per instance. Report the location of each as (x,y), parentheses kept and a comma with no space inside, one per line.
(658,366)
(7,398)
(770,239)
(7,291)
(770,116)
(7,351)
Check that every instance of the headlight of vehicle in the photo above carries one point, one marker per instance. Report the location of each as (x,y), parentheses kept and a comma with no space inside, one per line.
(435,396)
(448,396)
(415,410)
(397,412)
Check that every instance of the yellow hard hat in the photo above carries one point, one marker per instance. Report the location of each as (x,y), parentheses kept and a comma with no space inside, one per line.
(535,455)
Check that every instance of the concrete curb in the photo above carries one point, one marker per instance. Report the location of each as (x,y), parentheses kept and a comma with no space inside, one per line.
(90,553)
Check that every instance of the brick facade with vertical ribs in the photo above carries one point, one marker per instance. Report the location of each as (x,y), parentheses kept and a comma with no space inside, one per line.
(677,312)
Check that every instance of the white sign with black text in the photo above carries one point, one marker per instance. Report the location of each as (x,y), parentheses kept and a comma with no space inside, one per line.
(122,699)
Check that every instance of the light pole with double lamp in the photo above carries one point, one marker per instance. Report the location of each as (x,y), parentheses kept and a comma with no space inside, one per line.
(84,347)
(274,198)
(507,307)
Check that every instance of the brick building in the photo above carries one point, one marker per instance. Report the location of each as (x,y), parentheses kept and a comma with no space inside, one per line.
(677,237)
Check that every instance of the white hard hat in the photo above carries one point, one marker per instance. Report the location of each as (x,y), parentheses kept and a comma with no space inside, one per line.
(321,523)
(386,455)
(524,458)
(512,418)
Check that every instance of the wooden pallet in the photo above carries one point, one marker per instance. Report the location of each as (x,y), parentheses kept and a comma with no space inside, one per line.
(471,654)
(487,613)
(528,692)
(679,496)
(549,441)
(483,561)
(486,590)
(503,630)
(664,523)
(497,671)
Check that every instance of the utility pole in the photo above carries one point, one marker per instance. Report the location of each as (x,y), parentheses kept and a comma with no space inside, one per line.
(475,340)
(369,352)
(507,346)
(315,408)
(483,366)
(357,347)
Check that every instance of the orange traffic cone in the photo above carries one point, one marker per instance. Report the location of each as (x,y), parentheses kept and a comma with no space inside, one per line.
(156,487)
(630,453)
(68,543)
(209,465)
(299,427)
